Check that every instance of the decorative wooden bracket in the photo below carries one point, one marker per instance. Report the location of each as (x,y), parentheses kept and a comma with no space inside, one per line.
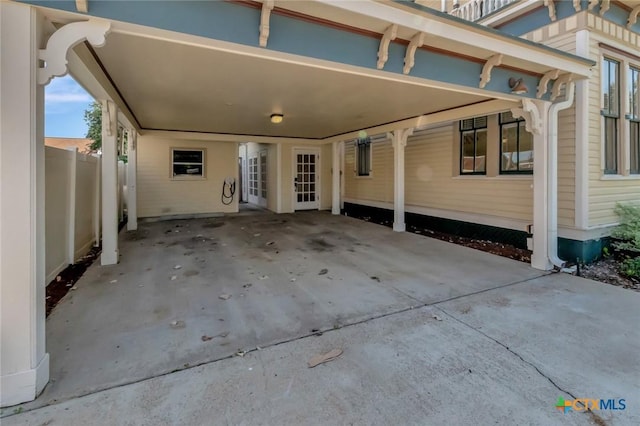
(633,17)
(383,52)
(109,117)
(557,85)
(604,6)
(82,6)
(55,54)
(531,115)
(399,137)
(267,7)
(592,4)
(544,82)
(552,8)
(493,61)
(410,55)
(577,5)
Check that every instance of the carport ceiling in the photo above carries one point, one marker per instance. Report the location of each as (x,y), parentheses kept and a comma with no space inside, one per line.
(171,86)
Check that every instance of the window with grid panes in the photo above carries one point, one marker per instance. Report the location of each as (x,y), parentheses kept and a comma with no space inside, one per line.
(611,113)
(516,145)
(363,152)
(473,146)
(634,120)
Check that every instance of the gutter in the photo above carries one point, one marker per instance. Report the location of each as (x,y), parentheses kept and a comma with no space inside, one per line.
(552,183)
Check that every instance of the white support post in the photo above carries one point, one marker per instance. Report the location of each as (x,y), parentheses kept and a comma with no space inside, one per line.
(97,202)
(71,216)
(536,115)
(132,169)
(342,180)
(399,142)
(335,178)
(109,254)
(24,370)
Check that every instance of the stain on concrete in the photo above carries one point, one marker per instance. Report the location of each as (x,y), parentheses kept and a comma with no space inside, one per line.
(212,224)
(319,244)
(191,273)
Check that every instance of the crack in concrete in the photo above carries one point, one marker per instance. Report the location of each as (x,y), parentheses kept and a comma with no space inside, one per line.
(420,305)
(597,419)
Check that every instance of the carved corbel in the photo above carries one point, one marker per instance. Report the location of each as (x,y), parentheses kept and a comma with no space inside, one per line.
(109,117)
(531,115)
(633,17)
(544,82)
(592,4)
(383,52)
(267,7)
(410,55)
(493,61)
(604,6)
(577,5)
(55,54)
(552,9)
(82,6)
(557,85)
(399,137)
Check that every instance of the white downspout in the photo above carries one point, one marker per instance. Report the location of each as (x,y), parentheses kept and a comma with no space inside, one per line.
(552,194)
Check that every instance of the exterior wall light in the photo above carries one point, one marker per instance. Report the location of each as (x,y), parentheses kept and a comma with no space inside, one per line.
(517,86)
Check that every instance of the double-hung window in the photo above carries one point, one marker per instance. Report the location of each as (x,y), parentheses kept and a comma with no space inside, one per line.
(634,120)
(187,162)
(516,145)
(473,146)
(611,113)
(363,151)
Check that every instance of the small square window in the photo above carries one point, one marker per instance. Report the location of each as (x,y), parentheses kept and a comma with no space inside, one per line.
(187,162)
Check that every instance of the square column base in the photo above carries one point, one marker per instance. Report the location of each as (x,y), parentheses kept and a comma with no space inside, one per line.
(399,227)
(24,386)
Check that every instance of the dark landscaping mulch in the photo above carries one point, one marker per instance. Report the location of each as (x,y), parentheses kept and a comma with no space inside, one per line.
(65,281)
(504,250)
(608,271)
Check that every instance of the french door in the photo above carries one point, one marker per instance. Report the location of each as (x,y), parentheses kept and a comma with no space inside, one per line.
(306,179)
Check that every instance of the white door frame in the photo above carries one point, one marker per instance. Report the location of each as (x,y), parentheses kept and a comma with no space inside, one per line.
(294,163)
(253,199)
(262,201)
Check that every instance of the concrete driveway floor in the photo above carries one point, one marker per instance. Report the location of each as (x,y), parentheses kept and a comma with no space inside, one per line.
(432,333)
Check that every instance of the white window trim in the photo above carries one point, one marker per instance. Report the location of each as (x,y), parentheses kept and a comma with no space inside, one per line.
(355,162)
(188,177)
(624,143)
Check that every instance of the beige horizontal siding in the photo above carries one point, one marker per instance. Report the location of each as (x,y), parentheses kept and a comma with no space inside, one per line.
(604,191)
(430,182)
(379,185)
(159,194)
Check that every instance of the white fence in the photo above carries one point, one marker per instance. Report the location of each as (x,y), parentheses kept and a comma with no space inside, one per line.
(72,206)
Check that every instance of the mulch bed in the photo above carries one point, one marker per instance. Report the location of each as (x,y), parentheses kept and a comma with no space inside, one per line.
(65,281)
(608,271)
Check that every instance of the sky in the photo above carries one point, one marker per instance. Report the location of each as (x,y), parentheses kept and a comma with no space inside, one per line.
(65,103)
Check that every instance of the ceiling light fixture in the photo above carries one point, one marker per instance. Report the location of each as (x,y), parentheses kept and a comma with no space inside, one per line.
(517,86)
(277,118)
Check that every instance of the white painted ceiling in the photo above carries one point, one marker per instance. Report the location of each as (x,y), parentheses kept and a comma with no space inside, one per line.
(170,86)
